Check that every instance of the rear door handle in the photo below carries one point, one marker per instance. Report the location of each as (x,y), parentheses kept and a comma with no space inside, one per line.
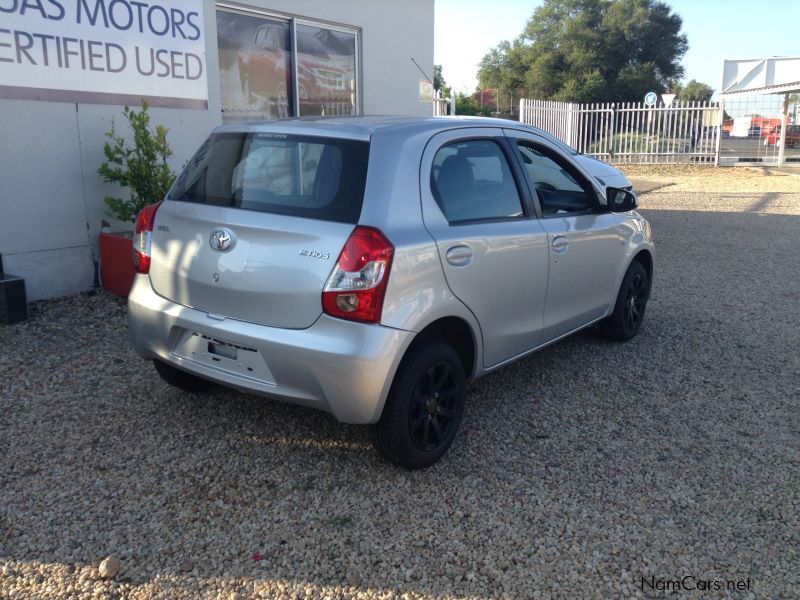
(560,244)
(459,256)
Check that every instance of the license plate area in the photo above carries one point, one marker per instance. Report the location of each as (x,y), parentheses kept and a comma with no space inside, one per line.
(222,350)
(222,355)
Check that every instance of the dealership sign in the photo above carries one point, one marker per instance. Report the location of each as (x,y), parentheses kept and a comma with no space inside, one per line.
(104,51)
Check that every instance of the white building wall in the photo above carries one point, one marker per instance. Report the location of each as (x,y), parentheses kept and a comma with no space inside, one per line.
(51,198)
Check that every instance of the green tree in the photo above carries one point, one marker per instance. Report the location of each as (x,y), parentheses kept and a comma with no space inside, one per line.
(590,51)
(503,69)
(467,105)
(438,78)
(439,83)
(141,167)
(694,91)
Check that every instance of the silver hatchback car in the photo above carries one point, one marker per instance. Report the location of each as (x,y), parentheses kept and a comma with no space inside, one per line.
(372,266)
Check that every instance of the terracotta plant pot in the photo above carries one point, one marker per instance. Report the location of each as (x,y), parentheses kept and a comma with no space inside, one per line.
(116,263)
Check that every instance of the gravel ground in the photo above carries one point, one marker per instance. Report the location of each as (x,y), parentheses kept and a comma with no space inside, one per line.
(696,178)
(578,472)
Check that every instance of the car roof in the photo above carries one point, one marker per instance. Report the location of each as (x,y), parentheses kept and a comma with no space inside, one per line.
(364,127)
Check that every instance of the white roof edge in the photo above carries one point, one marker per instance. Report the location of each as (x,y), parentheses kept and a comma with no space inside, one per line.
(775,89)
(772,75)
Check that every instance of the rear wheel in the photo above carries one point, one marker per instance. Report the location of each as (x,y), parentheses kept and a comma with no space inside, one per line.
(181,379)
(624,323)
(424,408)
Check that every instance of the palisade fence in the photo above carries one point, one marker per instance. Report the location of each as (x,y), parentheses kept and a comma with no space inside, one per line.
(440,107)
(631,132)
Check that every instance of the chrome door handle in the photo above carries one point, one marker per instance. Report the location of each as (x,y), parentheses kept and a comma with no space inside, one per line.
(459,256)
(560,244)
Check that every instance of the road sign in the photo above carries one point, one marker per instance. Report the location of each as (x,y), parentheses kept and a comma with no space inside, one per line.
(650,98)
(667,99)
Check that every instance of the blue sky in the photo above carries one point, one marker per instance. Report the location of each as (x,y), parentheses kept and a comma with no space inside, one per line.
(467,29)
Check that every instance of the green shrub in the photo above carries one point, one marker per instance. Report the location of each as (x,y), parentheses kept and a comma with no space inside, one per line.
(467,105)
(639,142)
(142,167)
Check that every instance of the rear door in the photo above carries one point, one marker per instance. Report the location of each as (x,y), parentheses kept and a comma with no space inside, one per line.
(254,225)
(585,247)
(492,249)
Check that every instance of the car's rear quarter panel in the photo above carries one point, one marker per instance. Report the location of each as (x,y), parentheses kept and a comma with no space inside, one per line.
(417,294)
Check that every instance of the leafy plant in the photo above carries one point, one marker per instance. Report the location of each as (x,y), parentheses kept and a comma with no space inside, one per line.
(694,91)
(466,105)
(141,167)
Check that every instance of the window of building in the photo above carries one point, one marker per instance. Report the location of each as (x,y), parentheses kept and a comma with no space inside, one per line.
(326,71)
(259,79)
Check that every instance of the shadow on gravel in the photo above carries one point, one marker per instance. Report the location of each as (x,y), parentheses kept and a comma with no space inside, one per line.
(588,465)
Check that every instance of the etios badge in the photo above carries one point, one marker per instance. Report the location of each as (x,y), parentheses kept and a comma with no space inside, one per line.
(221,240)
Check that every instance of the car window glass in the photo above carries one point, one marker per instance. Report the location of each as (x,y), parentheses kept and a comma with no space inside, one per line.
(472,180)
(320,178)
(558,190)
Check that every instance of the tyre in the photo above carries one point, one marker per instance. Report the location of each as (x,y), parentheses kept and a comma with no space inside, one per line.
(181,379)
(624,323)
(282,103)
(424,408)
(247,92)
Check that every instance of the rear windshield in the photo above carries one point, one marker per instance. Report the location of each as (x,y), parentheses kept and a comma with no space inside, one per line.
(300,176)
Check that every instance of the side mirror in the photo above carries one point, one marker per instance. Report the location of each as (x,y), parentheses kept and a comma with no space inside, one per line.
(620,200)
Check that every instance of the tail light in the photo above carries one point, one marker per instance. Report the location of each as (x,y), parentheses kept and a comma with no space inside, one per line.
(142,236)
(357,285)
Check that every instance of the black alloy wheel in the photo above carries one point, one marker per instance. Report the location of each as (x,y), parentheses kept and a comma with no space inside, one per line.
(626,319)
(635,301)
(424,407)
(433,405)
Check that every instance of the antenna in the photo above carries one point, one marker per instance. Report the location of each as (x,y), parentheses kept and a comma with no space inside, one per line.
(421,71)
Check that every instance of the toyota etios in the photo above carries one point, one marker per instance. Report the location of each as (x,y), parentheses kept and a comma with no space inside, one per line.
(372,266)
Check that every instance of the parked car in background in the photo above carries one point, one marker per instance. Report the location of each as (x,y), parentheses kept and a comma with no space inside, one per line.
(372,266)
(604,173)
(265,69)
(265,73)
(769,125)
(792,136)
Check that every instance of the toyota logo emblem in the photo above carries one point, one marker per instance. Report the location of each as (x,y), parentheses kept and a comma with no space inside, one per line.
(221,240)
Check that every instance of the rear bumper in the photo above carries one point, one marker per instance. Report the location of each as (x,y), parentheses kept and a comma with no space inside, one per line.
(337,366)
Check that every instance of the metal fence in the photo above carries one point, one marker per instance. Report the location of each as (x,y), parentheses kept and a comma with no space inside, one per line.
(752,129)
(441,107)
(630,132)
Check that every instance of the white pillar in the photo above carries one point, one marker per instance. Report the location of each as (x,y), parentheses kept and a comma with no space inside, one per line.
(720,119)
(784,122)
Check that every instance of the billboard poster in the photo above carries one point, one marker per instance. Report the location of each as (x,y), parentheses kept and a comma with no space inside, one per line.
(256,62)
(104,51)
(326,71)
(255,66)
